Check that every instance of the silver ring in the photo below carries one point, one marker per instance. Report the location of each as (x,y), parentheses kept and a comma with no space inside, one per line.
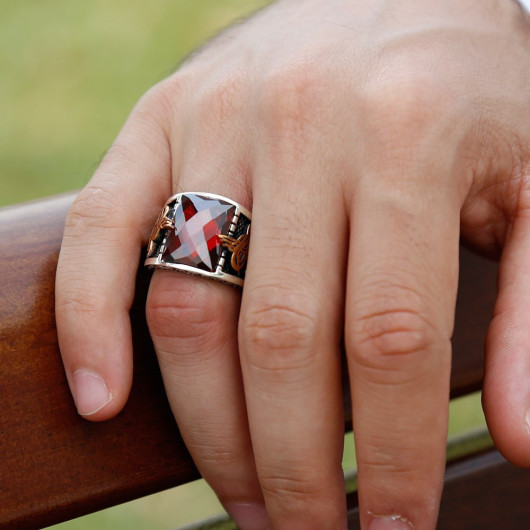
(202,234)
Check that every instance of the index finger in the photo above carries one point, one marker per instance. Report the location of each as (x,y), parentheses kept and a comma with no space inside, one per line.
(104,232)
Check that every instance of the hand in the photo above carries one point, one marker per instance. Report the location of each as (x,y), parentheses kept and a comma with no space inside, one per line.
(365,137)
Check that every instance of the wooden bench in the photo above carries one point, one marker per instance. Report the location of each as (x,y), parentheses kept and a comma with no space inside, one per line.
(55,466)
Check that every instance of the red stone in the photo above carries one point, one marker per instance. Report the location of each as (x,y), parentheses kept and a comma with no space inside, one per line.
(199,220)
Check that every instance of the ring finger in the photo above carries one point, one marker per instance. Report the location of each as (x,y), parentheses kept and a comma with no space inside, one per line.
(193,323)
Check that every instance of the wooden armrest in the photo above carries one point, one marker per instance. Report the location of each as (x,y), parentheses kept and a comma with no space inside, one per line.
(55,465)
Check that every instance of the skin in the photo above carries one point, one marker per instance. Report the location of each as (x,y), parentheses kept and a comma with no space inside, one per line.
(367,137)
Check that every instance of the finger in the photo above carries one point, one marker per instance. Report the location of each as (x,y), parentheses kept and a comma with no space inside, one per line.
(402,281)
(506,391)
(104,232)
(289,339)
(193,322)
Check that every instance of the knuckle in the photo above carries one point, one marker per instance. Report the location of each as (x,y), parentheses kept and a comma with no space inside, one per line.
(219,455)
(162,99)
(279,334)
(405,95)
(392,331)
(95,207)
(407,106)
(393,467)
(185,313)
(80,302)
(222,100)
(290,490)
(290,98)
(304,501)
(390,326)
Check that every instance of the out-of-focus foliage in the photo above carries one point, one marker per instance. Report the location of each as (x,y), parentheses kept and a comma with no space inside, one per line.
(70,72)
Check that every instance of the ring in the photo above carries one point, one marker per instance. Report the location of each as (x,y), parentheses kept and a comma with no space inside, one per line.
(202,234)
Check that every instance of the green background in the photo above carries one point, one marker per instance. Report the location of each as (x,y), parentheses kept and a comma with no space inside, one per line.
(70,72)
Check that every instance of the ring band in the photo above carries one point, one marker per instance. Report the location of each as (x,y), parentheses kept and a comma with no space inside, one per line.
(202,234)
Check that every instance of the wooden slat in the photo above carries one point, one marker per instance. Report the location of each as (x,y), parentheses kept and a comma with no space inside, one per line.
(53,464)
(483,492)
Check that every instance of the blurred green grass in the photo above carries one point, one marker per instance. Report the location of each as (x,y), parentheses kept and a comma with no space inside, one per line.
(70,72)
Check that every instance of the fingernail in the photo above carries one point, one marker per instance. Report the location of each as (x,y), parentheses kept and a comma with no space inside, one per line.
(90,392)
(390,522)
(249,516)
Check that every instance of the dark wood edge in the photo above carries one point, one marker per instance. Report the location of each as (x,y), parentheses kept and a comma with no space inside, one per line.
(482,492)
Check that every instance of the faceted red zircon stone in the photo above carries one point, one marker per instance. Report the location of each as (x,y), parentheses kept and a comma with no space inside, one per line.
(198,222)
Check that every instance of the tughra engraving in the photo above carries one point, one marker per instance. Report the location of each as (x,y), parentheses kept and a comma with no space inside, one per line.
(162,223)
(239,249)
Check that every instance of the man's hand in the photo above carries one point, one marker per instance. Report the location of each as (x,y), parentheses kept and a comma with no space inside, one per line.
(366,137)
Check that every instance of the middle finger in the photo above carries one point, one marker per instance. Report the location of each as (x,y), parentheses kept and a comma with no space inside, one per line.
(290,329)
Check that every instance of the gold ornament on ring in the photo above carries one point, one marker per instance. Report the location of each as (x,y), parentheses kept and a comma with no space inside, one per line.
(163,223)
(239,249)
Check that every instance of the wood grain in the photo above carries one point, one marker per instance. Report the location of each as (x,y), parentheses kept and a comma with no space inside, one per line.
(55,465)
